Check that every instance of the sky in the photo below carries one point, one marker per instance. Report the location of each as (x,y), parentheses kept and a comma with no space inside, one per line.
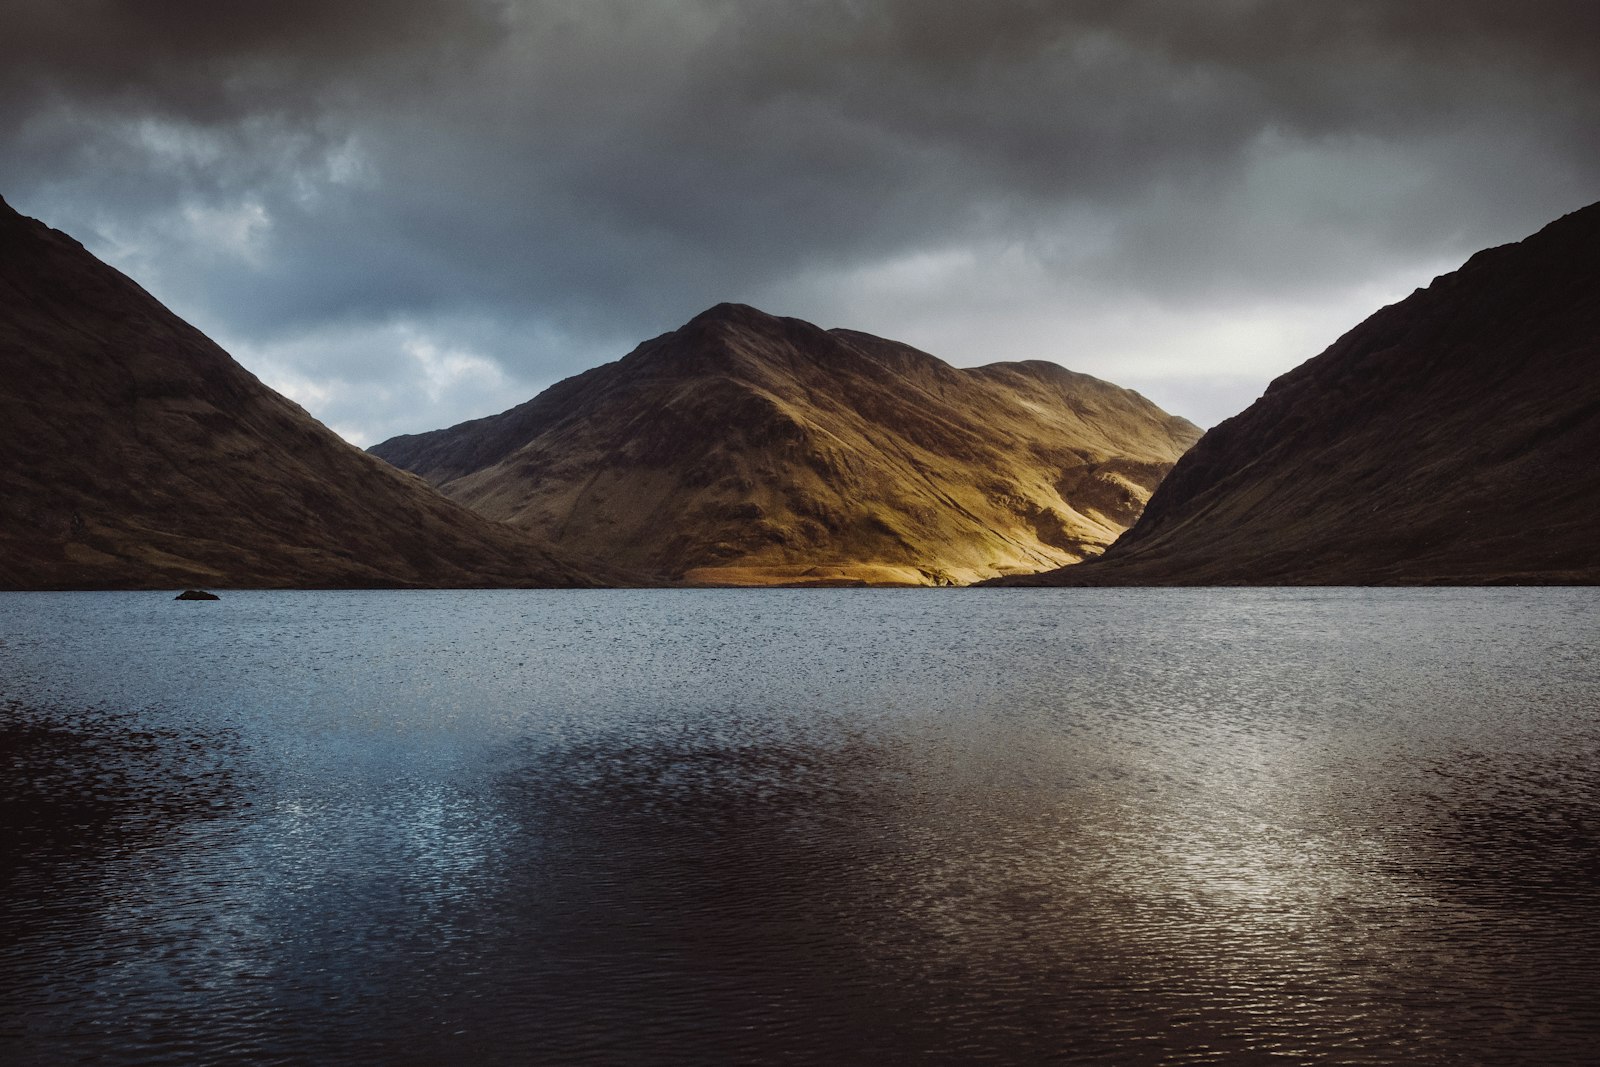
(407,213)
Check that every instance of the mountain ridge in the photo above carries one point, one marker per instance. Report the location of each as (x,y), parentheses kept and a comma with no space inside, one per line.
(141,455)
(1449,438)
(748,448)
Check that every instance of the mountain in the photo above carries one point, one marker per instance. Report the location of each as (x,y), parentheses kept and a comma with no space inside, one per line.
(139,454)
(1451,438)
(745,449)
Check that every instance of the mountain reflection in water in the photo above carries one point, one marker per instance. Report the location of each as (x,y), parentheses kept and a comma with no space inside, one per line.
(1186,826)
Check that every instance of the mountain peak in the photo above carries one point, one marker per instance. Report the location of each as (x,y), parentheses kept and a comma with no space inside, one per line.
(732,340)
(731,312)
(745,448)
(741,320)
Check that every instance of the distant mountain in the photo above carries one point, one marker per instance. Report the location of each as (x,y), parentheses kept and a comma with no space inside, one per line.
(748,449)
(1453,437)
(136,453)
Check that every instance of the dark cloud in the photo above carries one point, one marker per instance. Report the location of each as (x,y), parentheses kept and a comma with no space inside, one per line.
(212,62)
(539,184)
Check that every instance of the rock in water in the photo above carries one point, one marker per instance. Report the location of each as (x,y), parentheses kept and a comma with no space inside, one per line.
(196,594)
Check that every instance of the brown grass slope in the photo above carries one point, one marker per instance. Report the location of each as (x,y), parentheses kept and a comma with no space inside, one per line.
(1451,438)
(748,449)
(139,454)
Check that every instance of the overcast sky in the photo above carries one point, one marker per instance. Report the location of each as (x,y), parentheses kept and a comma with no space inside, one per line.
(405,213)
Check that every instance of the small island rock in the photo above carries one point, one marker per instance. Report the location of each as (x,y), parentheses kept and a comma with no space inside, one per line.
(196,594)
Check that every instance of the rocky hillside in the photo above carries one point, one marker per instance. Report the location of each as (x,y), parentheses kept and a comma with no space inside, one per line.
(1453,437)
(748,449)
(136,453)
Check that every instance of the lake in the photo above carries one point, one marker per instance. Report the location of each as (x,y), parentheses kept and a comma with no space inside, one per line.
(801,826)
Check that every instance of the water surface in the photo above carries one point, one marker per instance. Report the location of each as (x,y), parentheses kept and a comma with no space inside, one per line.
(810,826)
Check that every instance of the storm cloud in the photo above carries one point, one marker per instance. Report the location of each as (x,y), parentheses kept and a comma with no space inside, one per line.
(409,212)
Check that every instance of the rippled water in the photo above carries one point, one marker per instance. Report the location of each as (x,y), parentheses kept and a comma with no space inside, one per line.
(1183,826)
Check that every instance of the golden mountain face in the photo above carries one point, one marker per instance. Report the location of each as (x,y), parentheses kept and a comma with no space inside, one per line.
(745,449)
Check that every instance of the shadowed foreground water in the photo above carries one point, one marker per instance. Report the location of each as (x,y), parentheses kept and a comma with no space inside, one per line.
(1184,826)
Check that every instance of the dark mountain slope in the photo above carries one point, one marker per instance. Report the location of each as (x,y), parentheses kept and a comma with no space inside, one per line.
(748,449)
(1453,437)
(139,454)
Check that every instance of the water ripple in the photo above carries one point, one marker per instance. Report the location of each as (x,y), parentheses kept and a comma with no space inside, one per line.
(1164,827)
